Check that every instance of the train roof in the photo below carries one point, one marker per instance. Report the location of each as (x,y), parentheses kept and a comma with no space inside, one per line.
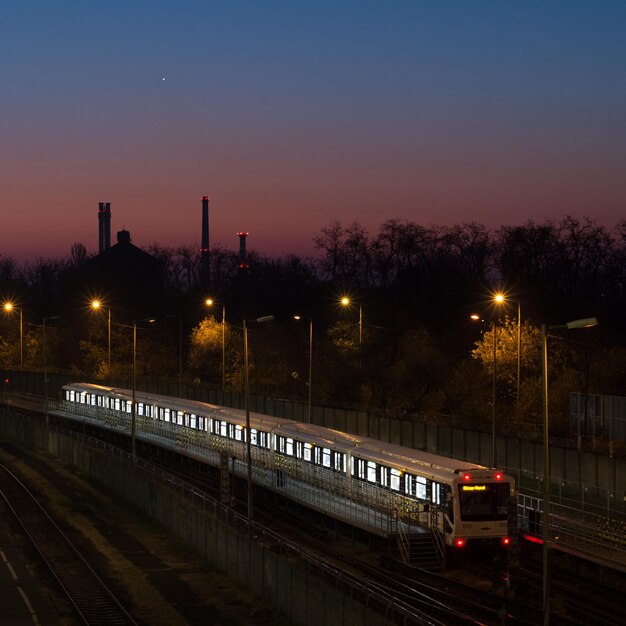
(389,454)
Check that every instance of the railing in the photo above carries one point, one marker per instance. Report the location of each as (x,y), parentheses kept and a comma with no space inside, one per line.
(437,531)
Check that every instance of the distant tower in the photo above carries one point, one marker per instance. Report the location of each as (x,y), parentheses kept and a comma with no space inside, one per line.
(104,226)
(204,247)
(242,250)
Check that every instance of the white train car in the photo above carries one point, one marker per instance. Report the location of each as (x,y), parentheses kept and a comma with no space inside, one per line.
(461,501)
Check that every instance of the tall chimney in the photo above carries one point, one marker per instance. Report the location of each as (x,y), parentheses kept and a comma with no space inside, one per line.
(205,225)
(242,250)
(104,226)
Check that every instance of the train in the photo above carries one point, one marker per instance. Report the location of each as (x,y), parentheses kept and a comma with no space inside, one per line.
(463,502)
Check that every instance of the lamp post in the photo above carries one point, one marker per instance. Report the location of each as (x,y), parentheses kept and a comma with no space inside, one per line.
(299,317)
(133,406)
(266,318)
(210,302)
(180,351)
(498,299)
(581,323)
(345,302)
(9,307)
(45,366)
(96,305)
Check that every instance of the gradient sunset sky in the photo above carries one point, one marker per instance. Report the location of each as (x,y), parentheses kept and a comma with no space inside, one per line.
(292,114)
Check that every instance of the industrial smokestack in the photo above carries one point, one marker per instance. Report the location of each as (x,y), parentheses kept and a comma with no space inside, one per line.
(242,250)
(205,268)
(205,225)
(104,226)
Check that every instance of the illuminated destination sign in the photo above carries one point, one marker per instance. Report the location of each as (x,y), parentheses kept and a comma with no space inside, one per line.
(473,487)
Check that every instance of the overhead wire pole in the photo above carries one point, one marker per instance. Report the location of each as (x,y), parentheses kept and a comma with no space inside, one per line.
(133,409)
(248,434)
(581,323)
(493,398)
(266,318)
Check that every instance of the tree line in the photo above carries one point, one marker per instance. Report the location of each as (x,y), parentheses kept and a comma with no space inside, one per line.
(405,346)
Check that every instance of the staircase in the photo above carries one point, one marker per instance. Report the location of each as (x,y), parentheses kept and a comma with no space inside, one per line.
(419,549)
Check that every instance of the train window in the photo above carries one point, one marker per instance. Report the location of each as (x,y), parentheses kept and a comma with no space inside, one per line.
(384,476)
(326,457)
(359,467)
(117,404)
(289,446)
(180,417)
(149,412)
(308,450)
(254,437)
(394,479)
(239,433)
(435,496)
(484,501)
(371,472)
(139,408)
(167,415)
(264,440)
(420,488)
(93,400)
(340,461)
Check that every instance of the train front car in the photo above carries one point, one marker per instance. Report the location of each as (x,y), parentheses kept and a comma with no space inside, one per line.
(483,507)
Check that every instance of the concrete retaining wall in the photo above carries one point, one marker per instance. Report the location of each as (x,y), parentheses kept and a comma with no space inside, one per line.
(303,594)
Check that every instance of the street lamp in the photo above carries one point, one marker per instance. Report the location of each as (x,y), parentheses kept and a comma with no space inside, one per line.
(96,305)
(581,323)
(265,318)
(180,351)
(346,302)
(210,302)
(299,317)
(9,307)
(498,299)
(519,349)
(45,368)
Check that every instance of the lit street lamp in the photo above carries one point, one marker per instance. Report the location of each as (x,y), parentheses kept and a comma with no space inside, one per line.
(299,317)
(498,298)
(97,305)
(346,302)
(9,307)
(265,318)
(581,323)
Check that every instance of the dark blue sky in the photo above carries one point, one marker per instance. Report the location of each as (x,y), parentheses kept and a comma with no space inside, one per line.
(291,114)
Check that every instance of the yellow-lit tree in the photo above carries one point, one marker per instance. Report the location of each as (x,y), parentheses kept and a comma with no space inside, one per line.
(205,353)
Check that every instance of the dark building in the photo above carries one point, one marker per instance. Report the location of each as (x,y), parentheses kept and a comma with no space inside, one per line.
(127,279)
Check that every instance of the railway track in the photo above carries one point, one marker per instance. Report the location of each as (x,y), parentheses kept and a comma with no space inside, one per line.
(585,601)
(93,602)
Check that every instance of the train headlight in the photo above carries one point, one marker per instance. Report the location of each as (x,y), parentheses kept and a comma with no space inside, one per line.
(459,543)
(466,477)
(499,476)
(506,541)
